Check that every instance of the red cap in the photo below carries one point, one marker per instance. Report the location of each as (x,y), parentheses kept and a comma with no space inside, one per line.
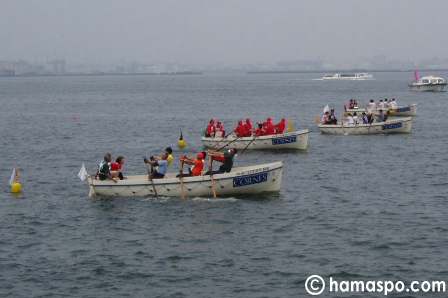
(212,120)
(248,120)
(269,120)
(283,120)
(200,155)
(240,122)
(219,121)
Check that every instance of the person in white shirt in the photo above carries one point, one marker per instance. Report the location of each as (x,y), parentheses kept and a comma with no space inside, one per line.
(393,104)
(372,105)
(381,104)
(350,119)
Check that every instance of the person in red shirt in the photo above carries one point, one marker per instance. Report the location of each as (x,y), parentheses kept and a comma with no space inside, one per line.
(210,130)
(115,167)
(259,131)
(280,127)
(247,128)
(239,130)
(219,130)
(270,128)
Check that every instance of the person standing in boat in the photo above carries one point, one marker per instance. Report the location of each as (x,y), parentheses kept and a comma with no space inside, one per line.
(103,172)
(226,158)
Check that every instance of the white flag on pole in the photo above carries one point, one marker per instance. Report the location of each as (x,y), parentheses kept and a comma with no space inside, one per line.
(82,173)
(13,177)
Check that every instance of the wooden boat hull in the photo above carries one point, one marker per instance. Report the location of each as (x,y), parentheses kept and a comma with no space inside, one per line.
(243,180)
(289,140)
(402,125)
(408,110)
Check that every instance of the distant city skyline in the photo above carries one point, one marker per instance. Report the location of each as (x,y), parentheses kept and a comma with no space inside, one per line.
(232,32)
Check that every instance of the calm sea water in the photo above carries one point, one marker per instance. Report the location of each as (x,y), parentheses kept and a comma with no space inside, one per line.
(350,207)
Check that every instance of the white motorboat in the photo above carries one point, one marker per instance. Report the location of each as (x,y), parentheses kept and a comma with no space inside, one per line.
(401,125)
(429,83)
(242,180)
(348,76)
(407,110)
(290,140)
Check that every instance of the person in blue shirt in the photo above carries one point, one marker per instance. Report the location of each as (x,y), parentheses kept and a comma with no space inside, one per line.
(161,164)
(365,119)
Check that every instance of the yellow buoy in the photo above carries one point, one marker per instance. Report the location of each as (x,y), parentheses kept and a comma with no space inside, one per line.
(181,142)
(345,113)
(15,187)
(289,125)
(14,182)
(317,120)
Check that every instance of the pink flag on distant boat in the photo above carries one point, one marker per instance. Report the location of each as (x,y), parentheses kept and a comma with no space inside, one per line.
(416,75)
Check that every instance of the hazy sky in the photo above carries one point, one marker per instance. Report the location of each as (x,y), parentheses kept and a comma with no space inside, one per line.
(224,32)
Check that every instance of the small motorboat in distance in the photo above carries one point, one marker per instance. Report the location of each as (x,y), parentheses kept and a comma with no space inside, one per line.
(348,76)
(428,83)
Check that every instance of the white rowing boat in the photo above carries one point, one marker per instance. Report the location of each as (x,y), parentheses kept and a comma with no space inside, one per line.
(243,180)
(401,125)
(407,110)
(290,140)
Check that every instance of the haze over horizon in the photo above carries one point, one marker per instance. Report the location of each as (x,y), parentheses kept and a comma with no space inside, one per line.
(220,32)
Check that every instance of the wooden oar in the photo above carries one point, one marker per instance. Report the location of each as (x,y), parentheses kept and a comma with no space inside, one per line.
(182,178)
(211,175)
(150,178)
(228,143)
(225,137)
(250,143)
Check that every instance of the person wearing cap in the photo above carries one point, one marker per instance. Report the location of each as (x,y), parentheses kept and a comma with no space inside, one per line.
(280,127)
(247,128)
(239,130)
(219,130)
(226,158)
(196,163)
(270,128)
(210,130)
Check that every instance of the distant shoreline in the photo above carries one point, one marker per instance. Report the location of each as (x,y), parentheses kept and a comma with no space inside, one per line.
(336,71)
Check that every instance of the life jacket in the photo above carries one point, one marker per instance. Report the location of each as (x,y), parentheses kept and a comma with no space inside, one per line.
(219,132)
